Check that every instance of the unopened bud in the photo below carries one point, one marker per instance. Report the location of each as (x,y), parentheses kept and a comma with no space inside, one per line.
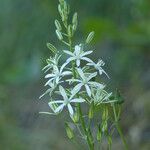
(75,117)
(91,111)
(104,126)
(59,35)
(61,1)
(58,25)
(105,113)
(51,47)
(69,131)
(60,9)
(75,21)
(99,134)
(90,37)
(70,31)
(65,8)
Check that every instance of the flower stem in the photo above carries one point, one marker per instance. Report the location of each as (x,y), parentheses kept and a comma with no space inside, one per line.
(119,129)
(91,145)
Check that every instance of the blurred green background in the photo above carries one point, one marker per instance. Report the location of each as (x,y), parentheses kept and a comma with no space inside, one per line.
(122,40)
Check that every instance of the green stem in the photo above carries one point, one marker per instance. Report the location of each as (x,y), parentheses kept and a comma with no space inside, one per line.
(119,129)
(91,145)
(87,133)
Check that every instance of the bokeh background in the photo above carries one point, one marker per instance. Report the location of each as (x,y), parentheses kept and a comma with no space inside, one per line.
(122,40)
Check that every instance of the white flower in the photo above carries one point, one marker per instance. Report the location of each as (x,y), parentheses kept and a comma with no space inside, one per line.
(52,61)
(50,90)
(66,101)
(78,55)
(101,96)
(57,74)
(98,66)
(85,81)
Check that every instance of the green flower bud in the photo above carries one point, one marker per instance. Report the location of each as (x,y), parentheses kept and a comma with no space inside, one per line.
(90,137)
(105,113)
(104,126)
(69,131)
(58,25)
(65,8)
(75,117)
(59,35)
(51,47)
(70,33)
(75,21)
(99,134)
(61,1)
(91,111)
(90,37)
(60,9)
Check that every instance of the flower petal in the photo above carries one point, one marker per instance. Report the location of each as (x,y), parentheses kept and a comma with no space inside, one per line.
(81,73)
(47,91)
(59,108)
(48,82)
(101,86)
(88,90)
(62,67)
(86,59)
(76,89)
(86,53)
(55,102)
(69,53)
(70,109)
(92,75)
(63,92)
(66,73)
(77,100)
(77,50)
(50,75)
(78,62)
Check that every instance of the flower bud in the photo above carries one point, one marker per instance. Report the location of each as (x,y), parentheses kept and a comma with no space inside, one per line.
(90,137)
(69,131)
(105,113)
(91,111)
(90,37)
(58,25)
(75,117)
(104,126)
(75,21)
(65,8)
(60,9)
(59,35)
(70,31)
(51,47)
(61,1)
(99,134)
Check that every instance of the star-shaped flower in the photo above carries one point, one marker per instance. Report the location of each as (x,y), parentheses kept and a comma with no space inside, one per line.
(86,82)
(78,55)
(57,74)
(50,90)
(98,66)
(66,101)
(51,62)
(100,96)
